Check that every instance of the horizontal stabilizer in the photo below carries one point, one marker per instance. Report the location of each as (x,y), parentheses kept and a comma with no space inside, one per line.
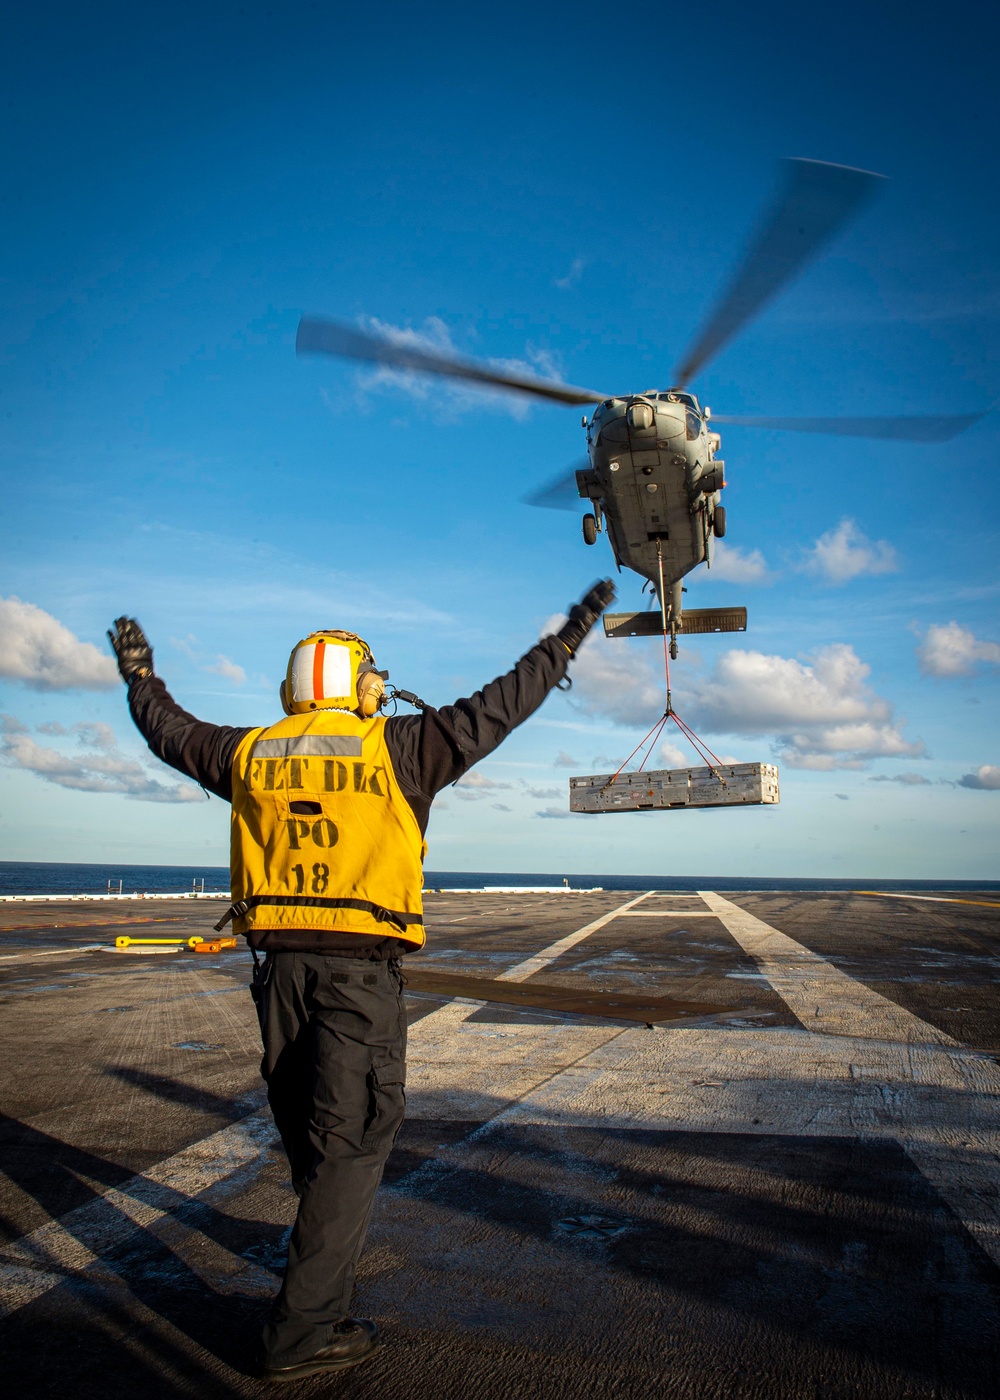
(725,785)
(693,620)
(713,620)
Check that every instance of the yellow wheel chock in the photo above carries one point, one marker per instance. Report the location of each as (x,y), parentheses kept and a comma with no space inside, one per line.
(125,942)
(197,944)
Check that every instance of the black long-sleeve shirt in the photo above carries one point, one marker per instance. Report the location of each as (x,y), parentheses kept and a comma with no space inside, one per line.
(428,751)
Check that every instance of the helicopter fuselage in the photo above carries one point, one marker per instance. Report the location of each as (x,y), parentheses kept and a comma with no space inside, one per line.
(654,481)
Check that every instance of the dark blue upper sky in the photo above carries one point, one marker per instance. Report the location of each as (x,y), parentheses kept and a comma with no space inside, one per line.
(563,184)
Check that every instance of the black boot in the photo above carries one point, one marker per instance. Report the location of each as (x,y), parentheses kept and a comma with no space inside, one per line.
(354,1340)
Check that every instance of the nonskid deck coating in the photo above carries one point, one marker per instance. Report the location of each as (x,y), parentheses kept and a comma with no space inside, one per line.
(801,1199)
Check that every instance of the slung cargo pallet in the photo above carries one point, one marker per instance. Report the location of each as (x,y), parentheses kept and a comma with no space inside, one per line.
(728,785)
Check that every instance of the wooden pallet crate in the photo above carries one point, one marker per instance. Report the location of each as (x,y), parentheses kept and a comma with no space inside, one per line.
(726,785)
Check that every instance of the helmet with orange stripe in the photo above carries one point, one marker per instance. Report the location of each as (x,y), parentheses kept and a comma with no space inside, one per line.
(333,670)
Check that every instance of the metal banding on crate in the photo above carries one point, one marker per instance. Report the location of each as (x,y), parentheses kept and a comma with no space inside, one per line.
(727,785)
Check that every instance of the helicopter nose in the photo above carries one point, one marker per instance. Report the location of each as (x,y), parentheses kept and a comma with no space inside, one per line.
(640,415)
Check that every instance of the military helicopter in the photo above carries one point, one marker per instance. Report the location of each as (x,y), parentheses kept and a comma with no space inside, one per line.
(653,475)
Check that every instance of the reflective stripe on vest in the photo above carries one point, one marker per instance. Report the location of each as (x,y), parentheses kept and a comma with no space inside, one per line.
(322,837)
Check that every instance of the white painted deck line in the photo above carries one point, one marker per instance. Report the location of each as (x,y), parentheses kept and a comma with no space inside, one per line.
(103,898)
(668,914)
(530,966)
(929,898)
(942,1105)
(52,953)
(459,1070)
(886,1074)
(457,1011)
(824,998)
(76,1241)
(860,1067)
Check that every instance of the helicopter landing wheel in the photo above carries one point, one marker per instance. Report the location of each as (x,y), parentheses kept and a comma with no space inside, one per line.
(673,648)
(719,521)
(589,529)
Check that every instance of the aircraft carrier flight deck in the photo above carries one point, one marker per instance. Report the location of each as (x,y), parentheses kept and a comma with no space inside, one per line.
(696,1145)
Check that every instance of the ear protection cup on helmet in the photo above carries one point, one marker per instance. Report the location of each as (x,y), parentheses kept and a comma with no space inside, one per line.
(283,696)
(371,692)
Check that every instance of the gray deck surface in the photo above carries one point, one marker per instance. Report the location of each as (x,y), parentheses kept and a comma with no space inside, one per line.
(795,1194)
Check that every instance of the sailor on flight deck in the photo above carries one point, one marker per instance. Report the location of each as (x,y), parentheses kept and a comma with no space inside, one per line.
(329,809)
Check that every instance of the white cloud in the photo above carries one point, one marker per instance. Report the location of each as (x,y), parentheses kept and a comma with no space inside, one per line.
(733,566)
(614,679)
(951,650)
(573,276)
(500,807)
(556,813)
(37,649)
(540,794)
(222,666)
(453,395)
(671,756)
(101,767)
(472,787)
(846,553)
(905,779)
(564,760)
(480,780)
(822,713)
(667,755)
(985,779)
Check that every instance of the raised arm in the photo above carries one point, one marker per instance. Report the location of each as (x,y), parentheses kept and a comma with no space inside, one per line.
(201,751)
(435,748)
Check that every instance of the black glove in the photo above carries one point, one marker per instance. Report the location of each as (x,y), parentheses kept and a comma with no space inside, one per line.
(133,652)
(584,614)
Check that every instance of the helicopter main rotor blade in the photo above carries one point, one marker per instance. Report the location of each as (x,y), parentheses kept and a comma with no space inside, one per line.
(914,429)
(329,338)
(816,201)
(560,493)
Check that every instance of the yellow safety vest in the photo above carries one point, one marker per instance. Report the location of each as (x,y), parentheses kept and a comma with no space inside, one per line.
(322,837)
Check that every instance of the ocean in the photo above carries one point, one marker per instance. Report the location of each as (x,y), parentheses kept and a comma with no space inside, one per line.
(37,877)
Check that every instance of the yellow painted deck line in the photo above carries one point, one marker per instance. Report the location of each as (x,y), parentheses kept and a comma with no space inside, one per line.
(929,898)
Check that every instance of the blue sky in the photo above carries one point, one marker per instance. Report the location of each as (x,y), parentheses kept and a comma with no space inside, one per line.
(566,186)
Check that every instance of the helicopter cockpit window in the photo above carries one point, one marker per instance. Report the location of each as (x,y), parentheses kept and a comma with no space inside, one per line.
(692,425)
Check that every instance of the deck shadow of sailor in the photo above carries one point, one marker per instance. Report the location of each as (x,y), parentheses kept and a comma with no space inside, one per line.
(59,1176)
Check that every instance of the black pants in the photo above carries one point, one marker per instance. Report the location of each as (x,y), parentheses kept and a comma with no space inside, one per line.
(334,1033)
